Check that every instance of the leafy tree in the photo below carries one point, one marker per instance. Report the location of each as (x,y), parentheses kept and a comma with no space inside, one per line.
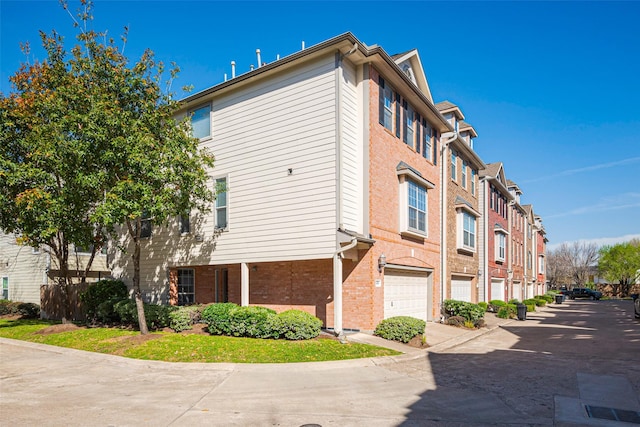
(112,148)
(620,264)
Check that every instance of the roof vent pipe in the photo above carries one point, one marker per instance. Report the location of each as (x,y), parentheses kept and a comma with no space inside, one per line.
(258,55)
(225,77)
(251,67)
(302,44)
(233,69)
(277,57)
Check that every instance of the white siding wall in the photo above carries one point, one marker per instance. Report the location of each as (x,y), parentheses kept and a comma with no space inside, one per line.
(24,269)
(352,151)
(258,134)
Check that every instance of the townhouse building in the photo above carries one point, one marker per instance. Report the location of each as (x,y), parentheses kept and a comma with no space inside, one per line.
(494,232)
(521,287)
(540,255)
(24,269)
(460,211)
(329,163)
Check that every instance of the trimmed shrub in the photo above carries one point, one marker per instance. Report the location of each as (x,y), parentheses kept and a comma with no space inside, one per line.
(295,325)
(183,318)
(27,310)
(532,303)
(484,305)
(497,303)
(509,311)
(456,321)
(514,301)
(531,307)
(216,316)
(469,311)
(549,298)
(503,313)
(99,298)
(157,316)
(400,328)
(251,321)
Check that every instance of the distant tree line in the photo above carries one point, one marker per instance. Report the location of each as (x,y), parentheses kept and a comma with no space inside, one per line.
(571,264)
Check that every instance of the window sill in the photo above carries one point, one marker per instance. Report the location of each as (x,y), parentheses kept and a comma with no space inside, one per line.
(466,250)
(413,234)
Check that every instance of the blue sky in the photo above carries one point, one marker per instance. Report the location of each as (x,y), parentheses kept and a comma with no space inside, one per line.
(552,88)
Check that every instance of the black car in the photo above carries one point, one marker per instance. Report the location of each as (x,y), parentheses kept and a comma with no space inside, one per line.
(636,305)
(585,293)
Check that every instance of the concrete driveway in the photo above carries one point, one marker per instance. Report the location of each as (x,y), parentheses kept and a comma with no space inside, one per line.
(542,371)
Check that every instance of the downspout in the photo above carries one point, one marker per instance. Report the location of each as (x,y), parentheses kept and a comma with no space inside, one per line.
(485,242)
(444,144)
(337,288)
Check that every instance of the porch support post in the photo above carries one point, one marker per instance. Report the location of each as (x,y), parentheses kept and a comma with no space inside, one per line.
(244,284)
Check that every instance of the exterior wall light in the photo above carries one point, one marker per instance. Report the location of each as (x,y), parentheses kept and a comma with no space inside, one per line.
(382,261)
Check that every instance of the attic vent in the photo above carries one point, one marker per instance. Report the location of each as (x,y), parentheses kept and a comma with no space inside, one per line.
(409,72)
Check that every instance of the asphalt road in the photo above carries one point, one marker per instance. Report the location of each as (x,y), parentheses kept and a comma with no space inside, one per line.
(538,372)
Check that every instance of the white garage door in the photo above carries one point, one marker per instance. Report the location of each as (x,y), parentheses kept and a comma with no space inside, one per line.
(461,289)
(406,293)
(497,290)
(517,291)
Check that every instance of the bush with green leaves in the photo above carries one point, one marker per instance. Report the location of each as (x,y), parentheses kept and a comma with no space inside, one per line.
(99,298)
(514,301)
(157,316)
(549,298)
(533,302)
(216,316)
(509,311)
(484,305)
(471,312)
(27,310)
(184,317)
(400,328)
(295,325)
(251,321)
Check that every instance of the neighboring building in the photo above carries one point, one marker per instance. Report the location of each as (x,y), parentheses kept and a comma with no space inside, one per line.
(329,157)
(460,166)
(494,233)
(540,255)
(521,288)
(23,269)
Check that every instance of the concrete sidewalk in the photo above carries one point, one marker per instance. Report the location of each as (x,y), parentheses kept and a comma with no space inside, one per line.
(440,337)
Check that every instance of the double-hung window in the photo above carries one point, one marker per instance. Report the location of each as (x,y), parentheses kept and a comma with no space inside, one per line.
(473,182)
(408,134)
(541,264)
(185,223)
(5,288)
(201,122)
(466,226)
(454,161)
(417,209)
(222,211)
(463,174)
(386,105)
(186,286)
(501,246)
(426,140)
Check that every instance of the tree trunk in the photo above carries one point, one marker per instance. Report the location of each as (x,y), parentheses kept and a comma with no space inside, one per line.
(142,321)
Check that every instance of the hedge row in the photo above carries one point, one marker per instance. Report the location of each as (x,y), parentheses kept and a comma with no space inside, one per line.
(25,309)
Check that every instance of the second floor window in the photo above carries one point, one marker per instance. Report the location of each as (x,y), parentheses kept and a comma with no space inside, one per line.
(185,223)
(408,131)
(417,207)
(501,247)
(426,140)
(464,174)
(473,182)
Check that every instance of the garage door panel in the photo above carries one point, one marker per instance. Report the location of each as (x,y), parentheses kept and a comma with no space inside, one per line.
(406,293)
(461,289)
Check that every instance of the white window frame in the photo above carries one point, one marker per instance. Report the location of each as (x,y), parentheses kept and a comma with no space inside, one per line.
(541,264)
(473,182)
(462,231)
(184,222)
(218,207)
(192,114)
(501,246)
(409,120)
(463,174)
(454,162)
(427,143)
(182,293)
(388,106)
(4,288)
(404,204)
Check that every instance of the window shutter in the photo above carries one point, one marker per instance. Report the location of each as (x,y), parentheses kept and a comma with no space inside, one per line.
(405,114)
(397,97)
(381,101)
(435,147)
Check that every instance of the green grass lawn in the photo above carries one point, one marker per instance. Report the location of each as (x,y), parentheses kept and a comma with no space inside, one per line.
(172,347)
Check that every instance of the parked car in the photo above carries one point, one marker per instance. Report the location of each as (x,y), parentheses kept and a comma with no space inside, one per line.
(636,304)
(584,293)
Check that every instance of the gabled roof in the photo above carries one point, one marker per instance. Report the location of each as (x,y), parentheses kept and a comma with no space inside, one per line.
(350,49)
(410,63)
(466,127)
(494,172)
(449,107)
